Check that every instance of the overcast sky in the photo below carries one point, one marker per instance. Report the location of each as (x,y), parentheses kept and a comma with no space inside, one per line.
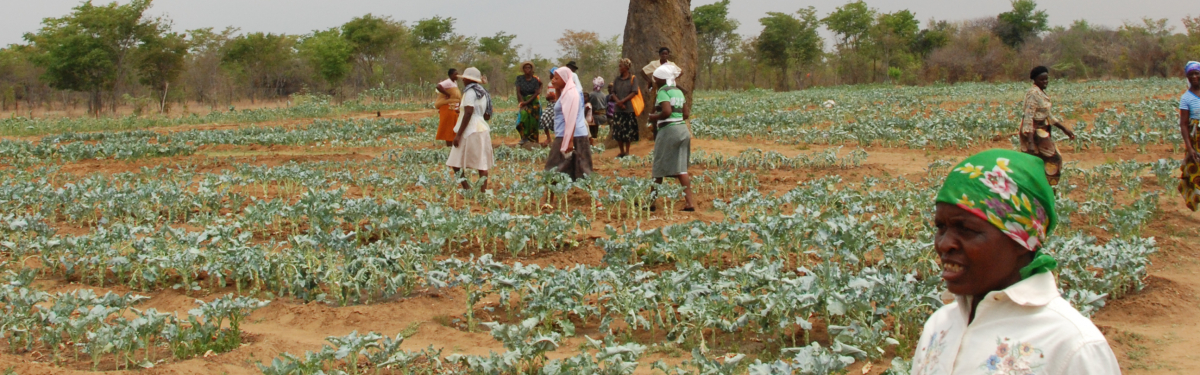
(537,23)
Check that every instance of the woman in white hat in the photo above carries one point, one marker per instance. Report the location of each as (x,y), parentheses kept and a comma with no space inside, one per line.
(472,140)
(673,144)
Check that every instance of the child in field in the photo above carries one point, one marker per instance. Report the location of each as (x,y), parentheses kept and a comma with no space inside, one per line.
(588,116)
(547,120)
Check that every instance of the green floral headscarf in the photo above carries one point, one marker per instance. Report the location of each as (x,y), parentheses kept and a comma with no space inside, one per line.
(1008,189)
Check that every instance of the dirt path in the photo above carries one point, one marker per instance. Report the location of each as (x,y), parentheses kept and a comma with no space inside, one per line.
(1157,330)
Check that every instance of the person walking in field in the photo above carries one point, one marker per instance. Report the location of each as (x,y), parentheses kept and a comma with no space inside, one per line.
(571,151)
(1189,122)
(547,119)
(672,147)
(624,127)
(529,89)
(472,145)
(599,102)
(1035,126)
(447,103)
(994,214)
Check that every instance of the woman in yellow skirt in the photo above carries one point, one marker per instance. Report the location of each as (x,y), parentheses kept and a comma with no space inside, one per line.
(447,103)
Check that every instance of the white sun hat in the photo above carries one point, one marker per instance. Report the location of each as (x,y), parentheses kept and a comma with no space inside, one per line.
(472,74)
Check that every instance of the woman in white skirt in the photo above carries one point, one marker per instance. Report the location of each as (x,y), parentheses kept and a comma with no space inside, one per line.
(472,139)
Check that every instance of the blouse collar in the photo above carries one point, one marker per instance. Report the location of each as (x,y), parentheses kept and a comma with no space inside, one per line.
(1035,291)
(1039,90)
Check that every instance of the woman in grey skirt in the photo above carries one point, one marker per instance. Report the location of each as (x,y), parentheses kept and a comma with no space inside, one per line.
(673,145)
(570,151)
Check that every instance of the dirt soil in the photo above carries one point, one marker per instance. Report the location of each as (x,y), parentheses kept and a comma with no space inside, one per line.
(1153,331)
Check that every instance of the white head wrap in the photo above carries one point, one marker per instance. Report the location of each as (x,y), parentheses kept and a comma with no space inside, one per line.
(668,72)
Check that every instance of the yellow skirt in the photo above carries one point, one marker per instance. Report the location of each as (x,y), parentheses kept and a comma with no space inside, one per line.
(1190,178)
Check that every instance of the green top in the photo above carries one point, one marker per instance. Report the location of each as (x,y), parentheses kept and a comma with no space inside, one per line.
(675,96)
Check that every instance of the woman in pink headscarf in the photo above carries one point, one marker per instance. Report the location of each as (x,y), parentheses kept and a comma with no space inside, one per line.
(570,152)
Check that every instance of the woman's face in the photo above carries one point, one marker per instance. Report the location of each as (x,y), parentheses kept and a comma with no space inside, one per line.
(454,77)
(976,257)
(624,69)
(558,83)
(1042,80)
(1193,78)
(527,69)
(664,55)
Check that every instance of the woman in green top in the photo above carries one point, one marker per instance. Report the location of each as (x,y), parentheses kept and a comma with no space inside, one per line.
(529,88)
(672,147)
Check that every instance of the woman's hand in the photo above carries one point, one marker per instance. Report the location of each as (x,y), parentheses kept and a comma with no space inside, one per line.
(570,146)
(1070,134)
(621,104)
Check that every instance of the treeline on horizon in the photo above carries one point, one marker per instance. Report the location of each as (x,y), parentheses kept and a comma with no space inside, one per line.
(101,57)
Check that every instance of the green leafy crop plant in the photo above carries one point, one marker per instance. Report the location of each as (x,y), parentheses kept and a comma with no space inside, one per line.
(766,266)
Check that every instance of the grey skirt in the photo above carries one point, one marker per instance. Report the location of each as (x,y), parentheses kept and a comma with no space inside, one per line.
(578,164)
(672,151)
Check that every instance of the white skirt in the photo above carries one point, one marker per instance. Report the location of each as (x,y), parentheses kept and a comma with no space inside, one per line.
(475,152)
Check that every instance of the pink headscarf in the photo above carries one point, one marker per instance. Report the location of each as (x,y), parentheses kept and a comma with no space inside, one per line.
(569,99)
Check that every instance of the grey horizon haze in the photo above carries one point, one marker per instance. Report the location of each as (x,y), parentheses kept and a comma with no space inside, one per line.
(538,23)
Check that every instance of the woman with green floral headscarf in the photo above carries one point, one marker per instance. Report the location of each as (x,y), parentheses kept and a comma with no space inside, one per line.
(993,215)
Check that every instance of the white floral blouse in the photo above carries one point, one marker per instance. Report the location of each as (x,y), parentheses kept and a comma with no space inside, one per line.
(1025,329)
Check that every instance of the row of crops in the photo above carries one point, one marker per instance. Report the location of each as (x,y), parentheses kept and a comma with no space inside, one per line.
(300,106)
(807,278)
(1106,114)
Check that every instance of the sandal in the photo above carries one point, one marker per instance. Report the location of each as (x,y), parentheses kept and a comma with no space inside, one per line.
(689,209)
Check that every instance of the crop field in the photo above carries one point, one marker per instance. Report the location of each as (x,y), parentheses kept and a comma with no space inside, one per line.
(332,239)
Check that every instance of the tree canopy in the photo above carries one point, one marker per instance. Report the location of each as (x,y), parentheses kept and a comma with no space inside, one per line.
(1022,22)
(90,49)
(715,32)
(787,39)
(329,54)
(102,56)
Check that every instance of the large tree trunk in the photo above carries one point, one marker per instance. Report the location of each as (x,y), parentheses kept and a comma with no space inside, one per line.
(661,23)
